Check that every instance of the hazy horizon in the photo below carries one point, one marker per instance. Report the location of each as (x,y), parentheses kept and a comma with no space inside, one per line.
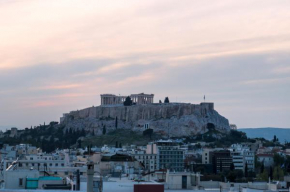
(58,56)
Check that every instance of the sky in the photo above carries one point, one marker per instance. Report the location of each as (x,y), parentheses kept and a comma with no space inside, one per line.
(60,55)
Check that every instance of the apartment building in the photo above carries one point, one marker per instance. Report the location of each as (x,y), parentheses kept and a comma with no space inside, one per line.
(221,160)
(242,155)
(171,156)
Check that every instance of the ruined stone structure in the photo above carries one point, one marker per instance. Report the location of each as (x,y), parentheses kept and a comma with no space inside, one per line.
(141,98)
(174,119)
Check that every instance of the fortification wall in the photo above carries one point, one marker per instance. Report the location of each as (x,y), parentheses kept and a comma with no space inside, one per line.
(182,119)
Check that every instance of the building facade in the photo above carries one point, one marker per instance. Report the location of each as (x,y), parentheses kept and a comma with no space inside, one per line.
(171,156)
(242,155)
(141,98)
(221,161)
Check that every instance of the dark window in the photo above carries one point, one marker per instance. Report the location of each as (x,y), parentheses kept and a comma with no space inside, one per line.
(20,181)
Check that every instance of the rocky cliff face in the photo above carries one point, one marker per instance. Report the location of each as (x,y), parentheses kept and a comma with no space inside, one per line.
(177,119)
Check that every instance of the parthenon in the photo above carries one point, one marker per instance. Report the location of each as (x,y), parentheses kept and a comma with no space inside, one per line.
(141,98)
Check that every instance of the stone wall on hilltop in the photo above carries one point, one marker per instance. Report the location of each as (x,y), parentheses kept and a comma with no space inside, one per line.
(177,119)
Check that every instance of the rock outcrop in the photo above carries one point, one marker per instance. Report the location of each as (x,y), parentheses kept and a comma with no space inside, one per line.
(177,119)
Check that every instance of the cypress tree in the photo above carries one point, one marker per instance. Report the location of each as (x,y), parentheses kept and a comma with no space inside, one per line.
(262,168)
(116,122)
(104,130)
(232,167)
(246,170)
(166,100)
(271,173)
(128,101)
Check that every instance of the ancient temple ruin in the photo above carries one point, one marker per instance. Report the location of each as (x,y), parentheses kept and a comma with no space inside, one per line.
(141,98)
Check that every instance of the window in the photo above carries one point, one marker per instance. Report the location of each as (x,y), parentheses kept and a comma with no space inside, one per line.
(20,181)
(55,172)
(56,164)
(62,164)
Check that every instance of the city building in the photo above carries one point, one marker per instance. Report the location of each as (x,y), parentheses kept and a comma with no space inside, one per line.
(242,156)
(170,155)
(221,161)
(266,159)
(207,155)
(148,158)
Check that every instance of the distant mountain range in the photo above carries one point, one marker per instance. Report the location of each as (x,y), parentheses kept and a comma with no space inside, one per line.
(283,134)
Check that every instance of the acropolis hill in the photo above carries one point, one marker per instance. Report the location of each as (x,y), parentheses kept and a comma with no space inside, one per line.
(177,119)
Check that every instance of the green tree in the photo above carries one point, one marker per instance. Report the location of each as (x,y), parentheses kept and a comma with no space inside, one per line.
(104,130)
(83,133)
(275,138)
(232,167)
(232,176)
(79,143)
(271,173)
(278,173)
(278,159)
(262,168)
(246,170)
(239,173)
(116,122)
(258,164)
(264,175)
(166,100)
(128,101)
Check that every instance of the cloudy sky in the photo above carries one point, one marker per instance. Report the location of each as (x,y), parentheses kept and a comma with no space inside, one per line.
(60,55)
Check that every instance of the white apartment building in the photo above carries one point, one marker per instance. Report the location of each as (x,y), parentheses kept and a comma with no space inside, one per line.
(148,158)
(242,155)
(266,159)
(55,165)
